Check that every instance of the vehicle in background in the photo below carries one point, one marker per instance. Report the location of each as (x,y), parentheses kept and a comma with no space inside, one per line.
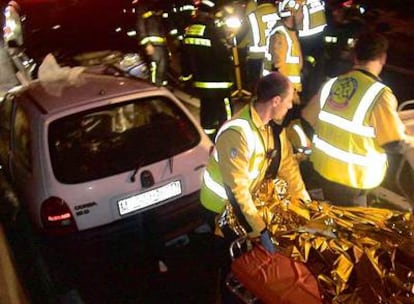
(100,150)
(87,33)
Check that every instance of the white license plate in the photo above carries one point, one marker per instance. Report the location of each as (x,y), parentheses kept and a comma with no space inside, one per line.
(149,198)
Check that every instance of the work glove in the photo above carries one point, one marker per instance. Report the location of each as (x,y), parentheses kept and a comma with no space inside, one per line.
(266,241)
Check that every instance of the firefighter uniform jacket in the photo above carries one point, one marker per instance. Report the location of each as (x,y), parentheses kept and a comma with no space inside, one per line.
(207,54)
(286,54)
(151,27)
(357,116)
(151,23)
(314,18)
(240,161)
(181,13)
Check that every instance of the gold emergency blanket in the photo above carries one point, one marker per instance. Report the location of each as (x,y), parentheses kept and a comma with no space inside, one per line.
(359,255)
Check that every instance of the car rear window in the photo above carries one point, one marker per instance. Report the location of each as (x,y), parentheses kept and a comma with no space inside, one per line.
(116,138)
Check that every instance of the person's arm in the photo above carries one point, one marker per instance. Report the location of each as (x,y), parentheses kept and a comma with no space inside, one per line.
(234,168)
(278,50)
(289,170)
(311,111)
(385,119)
(390,130)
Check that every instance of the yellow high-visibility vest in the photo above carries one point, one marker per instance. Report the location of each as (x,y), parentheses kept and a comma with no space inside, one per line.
(261,21)
(213,195)
(292,56)
(344,148)
(314,18)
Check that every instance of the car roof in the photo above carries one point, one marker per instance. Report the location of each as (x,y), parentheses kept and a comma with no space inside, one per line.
(56,96)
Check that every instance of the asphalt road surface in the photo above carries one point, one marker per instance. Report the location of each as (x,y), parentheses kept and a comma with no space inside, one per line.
(124,267)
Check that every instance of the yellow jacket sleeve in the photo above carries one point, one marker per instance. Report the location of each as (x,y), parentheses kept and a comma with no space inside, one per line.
(386,121)
(289,170)
(234,163)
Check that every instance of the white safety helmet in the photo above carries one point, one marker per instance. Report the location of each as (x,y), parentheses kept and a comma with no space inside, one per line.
(286,7)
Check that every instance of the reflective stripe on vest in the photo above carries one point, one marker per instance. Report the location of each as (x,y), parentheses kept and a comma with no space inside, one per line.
(153,69)
(227,106)
(250,138)
(291,60)
(294,79)
(210,131)
(208,3)
(364,166)
(261,38)
(153,39)
(197,41)
(214,186)
(256,34)
(147,14)
(186,7)
(355,125)
(303,139)
(371,160)
(314,20)
(196,30)
(246,130)
(212,85)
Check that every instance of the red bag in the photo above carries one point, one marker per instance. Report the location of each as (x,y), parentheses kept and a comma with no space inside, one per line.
(275,278)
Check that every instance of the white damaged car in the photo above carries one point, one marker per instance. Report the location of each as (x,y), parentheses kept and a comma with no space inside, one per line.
(97,151)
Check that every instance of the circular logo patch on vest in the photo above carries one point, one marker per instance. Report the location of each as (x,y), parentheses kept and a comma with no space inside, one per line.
(341,92)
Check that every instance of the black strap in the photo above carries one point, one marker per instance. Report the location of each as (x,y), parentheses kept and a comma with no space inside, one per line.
(237,210)
(271,172)
(275,154)
(369,74)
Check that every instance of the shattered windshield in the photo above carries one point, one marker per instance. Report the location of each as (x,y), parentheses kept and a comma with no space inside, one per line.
(116,138)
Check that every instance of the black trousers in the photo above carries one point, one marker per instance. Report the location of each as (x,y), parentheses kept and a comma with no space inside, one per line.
(213,111)
(341,195)
(222,256)
(158,64)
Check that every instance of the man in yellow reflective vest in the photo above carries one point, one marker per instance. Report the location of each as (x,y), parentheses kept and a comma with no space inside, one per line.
(356,124)
(285,50)
(245,146)
(209,62)
(254,38)
(311,37)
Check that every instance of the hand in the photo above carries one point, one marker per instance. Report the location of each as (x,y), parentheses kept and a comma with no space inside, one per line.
(149,49)
(267,242)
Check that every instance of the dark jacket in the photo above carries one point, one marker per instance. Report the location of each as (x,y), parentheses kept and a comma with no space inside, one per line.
(207,53)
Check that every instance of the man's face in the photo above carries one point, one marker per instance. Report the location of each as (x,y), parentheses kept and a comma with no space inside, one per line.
(283,105)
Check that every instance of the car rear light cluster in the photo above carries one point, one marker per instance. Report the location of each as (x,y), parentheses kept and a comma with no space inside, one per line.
(56,217)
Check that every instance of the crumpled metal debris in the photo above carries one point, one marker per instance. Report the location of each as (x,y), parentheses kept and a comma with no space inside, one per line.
(359,255)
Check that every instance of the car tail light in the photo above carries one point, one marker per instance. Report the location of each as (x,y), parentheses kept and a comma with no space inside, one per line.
(56,217)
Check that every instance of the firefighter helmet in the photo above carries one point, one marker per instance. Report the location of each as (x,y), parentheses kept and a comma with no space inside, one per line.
(205,5)
(287,7)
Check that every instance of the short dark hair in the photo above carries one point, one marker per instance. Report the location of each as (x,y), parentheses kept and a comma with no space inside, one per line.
(271,85)
(370,46)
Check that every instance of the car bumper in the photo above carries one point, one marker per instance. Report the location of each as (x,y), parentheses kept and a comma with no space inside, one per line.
(171,220)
